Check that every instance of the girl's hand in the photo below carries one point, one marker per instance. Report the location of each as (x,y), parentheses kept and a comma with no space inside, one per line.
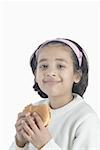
(35,132)
(20,140)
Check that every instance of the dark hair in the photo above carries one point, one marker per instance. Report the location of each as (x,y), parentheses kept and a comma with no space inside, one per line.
(79,87)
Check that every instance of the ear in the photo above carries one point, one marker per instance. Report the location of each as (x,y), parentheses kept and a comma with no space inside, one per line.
(78,75)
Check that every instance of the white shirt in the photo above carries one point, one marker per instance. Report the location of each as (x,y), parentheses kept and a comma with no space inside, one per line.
(74,126)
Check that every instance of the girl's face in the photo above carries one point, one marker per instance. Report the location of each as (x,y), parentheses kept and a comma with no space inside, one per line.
(55,73)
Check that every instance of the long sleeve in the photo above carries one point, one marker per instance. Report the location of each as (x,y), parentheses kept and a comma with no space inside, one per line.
(15,147)
(88,135)
(73,127)
(51,145)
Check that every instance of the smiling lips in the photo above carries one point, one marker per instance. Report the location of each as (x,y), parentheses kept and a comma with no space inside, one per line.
(51,82)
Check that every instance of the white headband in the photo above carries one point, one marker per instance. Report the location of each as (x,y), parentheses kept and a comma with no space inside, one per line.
(72,46)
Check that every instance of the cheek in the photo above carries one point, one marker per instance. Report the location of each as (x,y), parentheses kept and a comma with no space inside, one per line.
(39,77)
(68,77)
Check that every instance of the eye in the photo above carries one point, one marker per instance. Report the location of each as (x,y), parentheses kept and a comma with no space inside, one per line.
(61,66)
(43,67)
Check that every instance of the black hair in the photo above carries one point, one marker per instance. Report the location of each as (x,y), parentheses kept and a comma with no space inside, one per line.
(79,87)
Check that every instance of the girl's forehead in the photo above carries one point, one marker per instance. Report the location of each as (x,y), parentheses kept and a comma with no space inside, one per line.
(55,51)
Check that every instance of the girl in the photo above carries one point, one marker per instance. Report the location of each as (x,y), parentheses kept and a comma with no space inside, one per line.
(60,68)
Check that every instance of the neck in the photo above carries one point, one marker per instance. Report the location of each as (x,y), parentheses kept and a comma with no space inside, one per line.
(57,102)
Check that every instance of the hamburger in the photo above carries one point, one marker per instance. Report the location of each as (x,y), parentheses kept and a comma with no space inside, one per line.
(43,110)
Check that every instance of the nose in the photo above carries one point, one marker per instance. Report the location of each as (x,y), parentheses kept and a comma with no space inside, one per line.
(51,73)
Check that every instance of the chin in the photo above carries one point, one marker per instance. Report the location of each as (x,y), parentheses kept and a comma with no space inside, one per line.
(52,94)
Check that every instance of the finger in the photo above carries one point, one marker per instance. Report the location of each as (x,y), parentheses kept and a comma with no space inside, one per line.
(23,114)
(38,121)
(19,128)
(27,129)
(19,122)
(33,125)
(25,135)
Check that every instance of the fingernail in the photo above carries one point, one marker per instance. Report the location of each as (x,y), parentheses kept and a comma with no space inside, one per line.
(34,113)
(22,121)
(28,114)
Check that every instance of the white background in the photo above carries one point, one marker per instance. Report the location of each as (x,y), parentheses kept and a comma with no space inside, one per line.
(24,25)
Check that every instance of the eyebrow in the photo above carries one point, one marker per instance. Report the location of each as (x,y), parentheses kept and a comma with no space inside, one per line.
(57,59)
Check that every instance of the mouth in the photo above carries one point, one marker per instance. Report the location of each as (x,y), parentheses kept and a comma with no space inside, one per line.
(51,82)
